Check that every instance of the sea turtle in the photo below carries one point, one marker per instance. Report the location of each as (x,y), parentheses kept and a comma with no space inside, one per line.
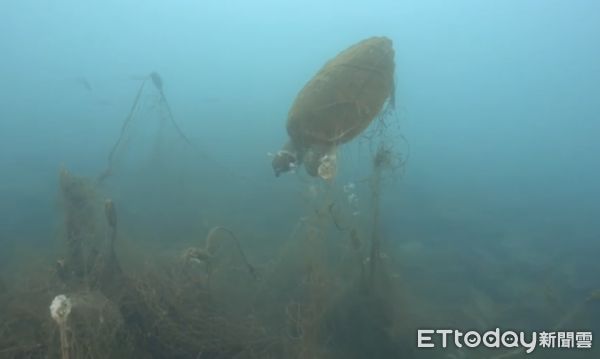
(336,105)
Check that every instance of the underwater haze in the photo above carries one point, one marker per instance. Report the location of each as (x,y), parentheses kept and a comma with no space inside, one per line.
(490,220)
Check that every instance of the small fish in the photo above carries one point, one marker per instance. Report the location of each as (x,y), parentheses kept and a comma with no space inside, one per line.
(156,80)
(84,83)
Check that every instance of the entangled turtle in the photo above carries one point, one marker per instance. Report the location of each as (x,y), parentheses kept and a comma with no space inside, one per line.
(336,105)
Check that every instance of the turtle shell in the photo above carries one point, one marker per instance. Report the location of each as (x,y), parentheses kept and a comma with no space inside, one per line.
(342,99)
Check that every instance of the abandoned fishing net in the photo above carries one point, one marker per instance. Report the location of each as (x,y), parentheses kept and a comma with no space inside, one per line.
(149,136)
(152,155)
(88,306)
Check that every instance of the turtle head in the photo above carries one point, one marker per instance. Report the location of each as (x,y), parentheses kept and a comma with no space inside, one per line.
(285,159)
